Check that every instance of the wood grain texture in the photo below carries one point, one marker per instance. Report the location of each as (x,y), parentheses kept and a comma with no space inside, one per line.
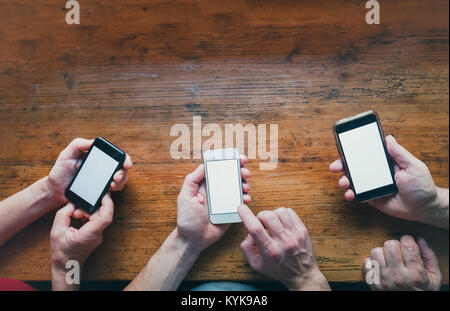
(132,69)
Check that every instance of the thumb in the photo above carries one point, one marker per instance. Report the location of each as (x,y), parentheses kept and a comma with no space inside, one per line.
(398,153)
(194,179)
(76,148)
(250,249)
(62,217)
(428,256)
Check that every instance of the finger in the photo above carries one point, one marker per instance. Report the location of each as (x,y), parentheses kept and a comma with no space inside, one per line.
(80,214)
(429,258)
(285,218)
(245,187)
(298,223)
(381,204)
(243,160)
(377,254)
(336,166)
(62,217)
(271,222)
(106,212)
(246,198)
(410,252)
(119,181)
(368,266)
(343,182)
(349,195)
(193,180)
(127,164)
(102,218)
(255,228)
(393,254)
(245,173)
(118,176)
(76,148)
(249,248)
(399,154)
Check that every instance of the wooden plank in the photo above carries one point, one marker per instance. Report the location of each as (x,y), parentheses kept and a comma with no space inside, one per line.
(132,69)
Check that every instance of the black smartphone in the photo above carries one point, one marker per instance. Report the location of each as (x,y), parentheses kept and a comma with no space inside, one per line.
(361,145)
(93,178)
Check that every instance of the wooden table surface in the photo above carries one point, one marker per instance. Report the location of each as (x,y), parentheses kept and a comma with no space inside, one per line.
(132,69)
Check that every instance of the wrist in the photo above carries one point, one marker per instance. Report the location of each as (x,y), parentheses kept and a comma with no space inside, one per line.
(312,281)
(51,194)
(439,209)
(65,279)
(186,246)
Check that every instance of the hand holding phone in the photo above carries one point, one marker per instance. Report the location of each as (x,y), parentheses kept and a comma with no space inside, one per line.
(417,199)
(193,223)
(223,185)
(94,177)
(67,164)
(364,156)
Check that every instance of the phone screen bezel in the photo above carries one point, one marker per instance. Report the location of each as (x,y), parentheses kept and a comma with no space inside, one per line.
(222,155)
(353,123)
(112,151)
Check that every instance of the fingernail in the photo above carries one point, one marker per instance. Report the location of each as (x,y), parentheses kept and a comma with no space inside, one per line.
(243,206)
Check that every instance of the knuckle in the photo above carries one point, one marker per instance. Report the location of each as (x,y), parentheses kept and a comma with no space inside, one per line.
(107,220)
(275,253)
(290,245)
(391,243)
(408,243)
(271,216)
(53,236)
(281,210)
(376,251)
(263,215)
(76,141)
(397,279)
(303,234)
(243,245)
(256,230)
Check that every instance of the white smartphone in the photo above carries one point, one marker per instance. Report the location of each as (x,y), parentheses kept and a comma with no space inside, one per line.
(223,185)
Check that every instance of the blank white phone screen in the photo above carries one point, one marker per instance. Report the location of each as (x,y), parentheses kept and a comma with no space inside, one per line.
(223,186)
(366,160)
(94,175)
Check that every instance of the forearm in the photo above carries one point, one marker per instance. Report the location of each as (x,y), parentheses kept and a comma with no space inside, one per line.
(439,217)
(168,266)
(24,207)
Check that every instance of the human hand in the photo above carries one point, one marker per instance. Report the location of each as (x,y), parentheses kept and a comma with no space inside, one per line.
(193,223)
(69,160)
(285,253)
(68,243)
(404,265)
(417,198)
